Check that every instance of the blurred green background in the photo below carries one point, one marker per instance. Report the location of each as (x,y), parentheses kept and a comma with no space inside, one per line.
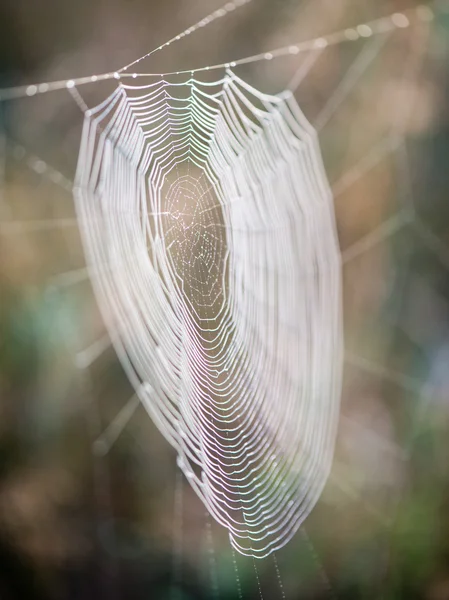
(78,525)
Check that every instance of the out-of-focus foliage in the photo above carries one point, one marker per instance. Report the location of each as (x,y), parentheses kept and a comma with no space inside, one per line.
(74,524)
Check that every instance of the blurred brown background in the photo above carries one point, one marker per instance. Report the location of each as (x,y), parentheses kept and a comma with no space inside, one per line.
(76,524)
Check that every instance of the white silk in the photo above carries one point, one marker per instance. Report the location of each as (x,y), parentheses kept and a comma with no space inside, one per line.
(208,226)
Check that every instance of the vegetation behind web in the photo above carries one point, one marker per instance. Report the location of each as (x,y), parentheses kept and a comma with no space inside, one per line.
(77,525)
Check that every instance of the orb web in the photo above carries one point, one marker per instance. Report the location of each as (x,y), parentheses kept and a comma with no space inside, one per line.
(209,231)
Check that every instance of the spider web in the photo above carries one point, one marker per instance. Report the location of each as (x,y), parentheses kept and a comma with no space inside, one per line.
(203,246)
(195,270)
